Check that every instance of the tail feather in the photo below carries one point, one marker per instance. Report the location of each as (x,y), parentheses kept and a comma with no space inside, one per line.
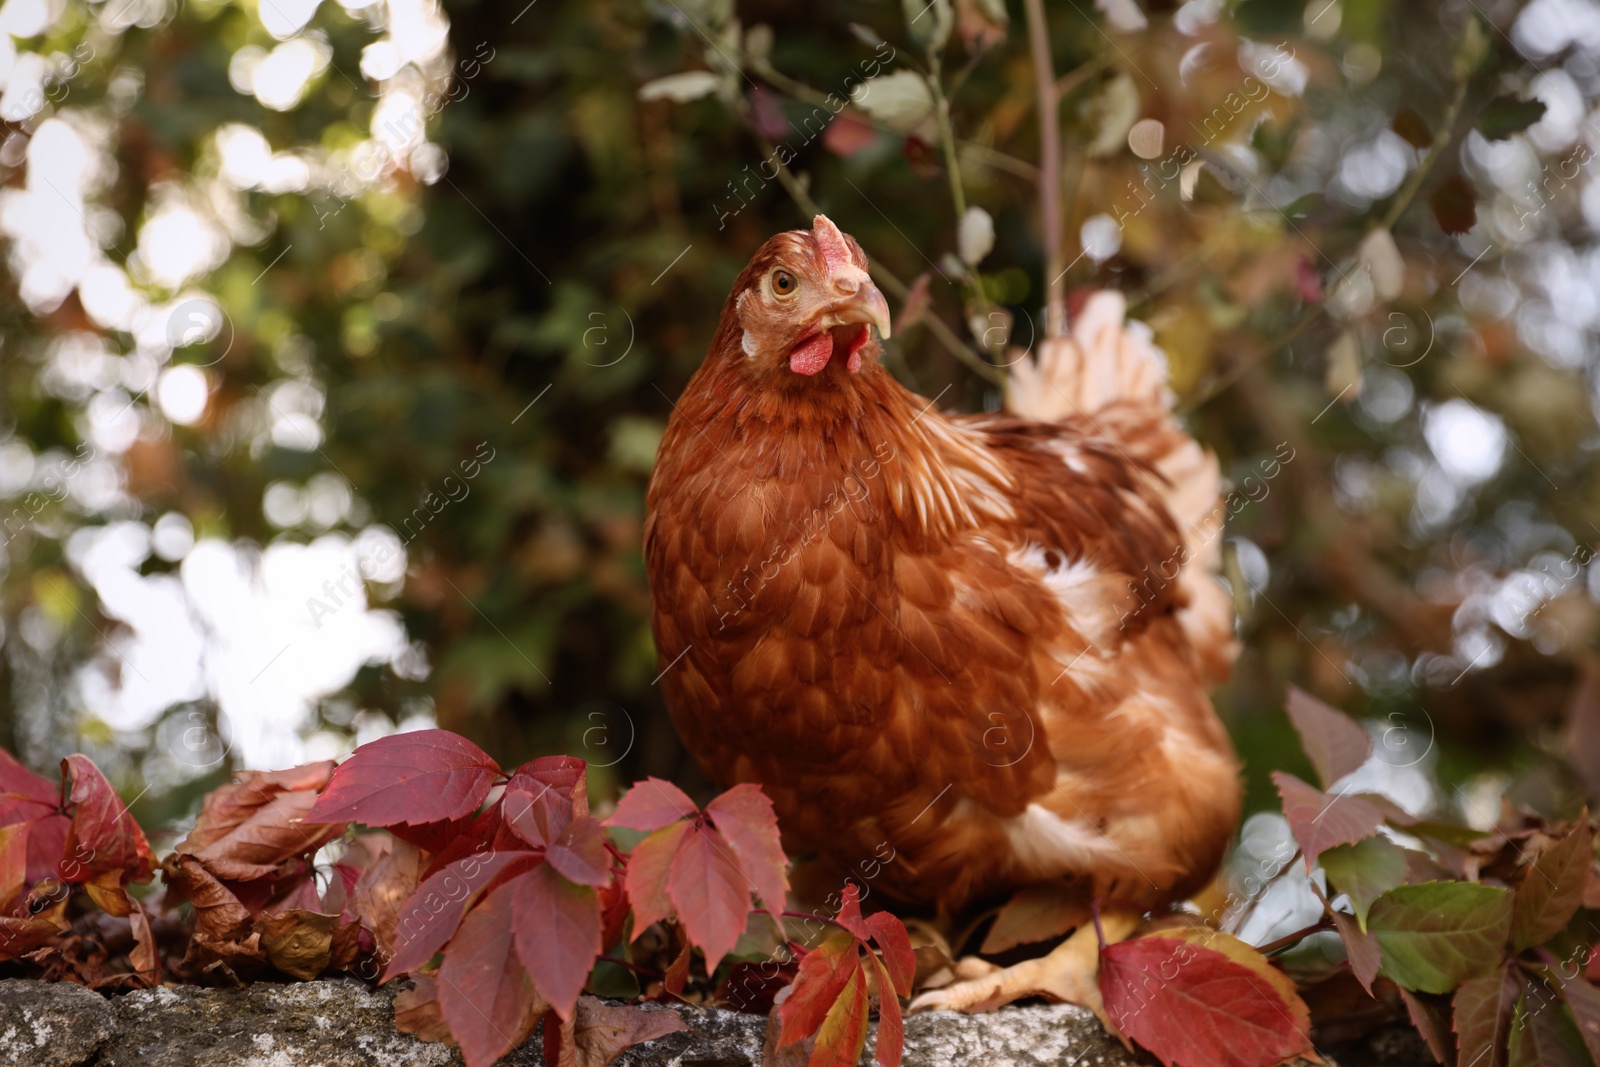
(1110,374)
(1105,360)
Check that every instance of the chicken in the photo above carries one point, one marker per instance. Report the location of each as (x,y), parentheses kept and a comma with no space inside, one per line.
(966,653)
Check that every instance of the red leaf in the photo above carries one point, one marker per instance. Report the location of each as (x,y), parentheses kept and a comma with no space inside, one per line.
(47,841)
(1432,1022)
(650,805)
(145,956)
(229,807)
(250,826)
(766,114)
(1319,821)
(1194,1006)
(580,853)
(891,1024)
(614,911)
(439,837)
(218,915)
(711,897)
(745,817)
(1584,1000)
(537,812)
(649,865)
(24,795)
(1334,742)
(557,926)
(892,939)
(484,994)
(419,777)
(847,134)
(382,890)
(1482,1009)
(823,975)
(24,935)
(560,1041)
(844,1031)
(544,796)
(678,972)
(849,915)
(567,775)
(429,918)
(13,863)
(1552,887)
(102,836)
(1360,947)
(916,304)
(416,1010)
(465,837)
(1306,282)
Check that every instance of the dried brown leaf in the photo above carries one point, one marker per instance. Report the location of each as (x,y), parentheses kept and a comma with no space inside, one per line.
(416,1010)
(602,1032)
(298,942)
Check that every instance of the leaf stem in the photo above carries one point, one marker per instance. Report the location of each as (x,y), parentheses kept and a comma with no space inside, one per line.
(1288,940)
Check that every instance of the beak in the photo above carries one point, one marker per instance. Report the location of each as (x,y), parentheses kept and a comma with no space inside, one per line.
(865,305)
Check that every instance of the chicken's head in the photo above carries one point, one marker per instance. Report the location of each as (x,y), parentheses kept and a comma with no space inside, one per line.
(806,299)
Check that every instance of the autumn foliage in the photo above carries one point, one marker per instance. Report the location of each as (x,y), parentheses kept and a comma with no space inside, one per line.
(499,896)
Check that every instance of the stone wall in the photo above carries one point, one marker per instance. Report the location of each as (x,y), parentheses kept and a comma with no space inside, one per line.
(342,1024)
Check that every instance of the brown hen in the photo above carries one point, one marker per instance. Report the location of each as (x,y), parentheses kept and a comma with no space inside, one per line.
(977,644)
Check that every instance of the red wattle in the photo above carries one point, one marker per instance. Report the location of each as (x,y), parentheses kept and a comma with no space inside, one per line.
(811,356)
(857,343)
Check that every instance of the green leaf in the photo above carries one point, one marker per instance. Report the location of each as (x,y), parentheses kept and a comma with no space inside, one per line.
(1506,115)
(1472,48)
(929,23)
(1552,888)
(1365,871)
(1436,935)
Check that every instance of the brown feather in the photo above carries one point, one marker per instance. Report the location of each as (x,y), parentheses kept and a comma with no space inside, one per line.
(863,591)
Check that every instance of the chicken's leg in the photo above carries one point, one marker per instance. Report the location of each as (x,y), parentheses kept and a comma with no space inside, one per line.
(1067,974)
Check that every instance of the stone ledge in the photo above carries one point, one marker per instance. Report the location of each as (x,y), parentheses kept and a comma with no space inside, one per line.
(343,1024)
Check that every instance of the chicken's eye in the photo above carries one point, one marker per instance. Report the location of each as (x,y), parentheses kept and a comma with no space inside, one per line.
(784,283)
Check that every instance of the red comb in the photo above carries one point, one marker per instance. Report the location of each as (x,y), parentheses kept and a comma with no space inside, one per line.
(835,249)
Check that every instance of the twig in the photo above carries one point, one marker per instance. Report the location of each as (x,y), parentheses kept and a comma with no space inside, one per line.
(1071,81)
(1441,140)
(947,139)
(806,94)
(1049,167)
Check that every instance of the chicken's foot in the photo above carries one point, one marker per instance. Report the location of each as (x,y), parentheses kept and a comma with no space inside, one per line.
(1067,974)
